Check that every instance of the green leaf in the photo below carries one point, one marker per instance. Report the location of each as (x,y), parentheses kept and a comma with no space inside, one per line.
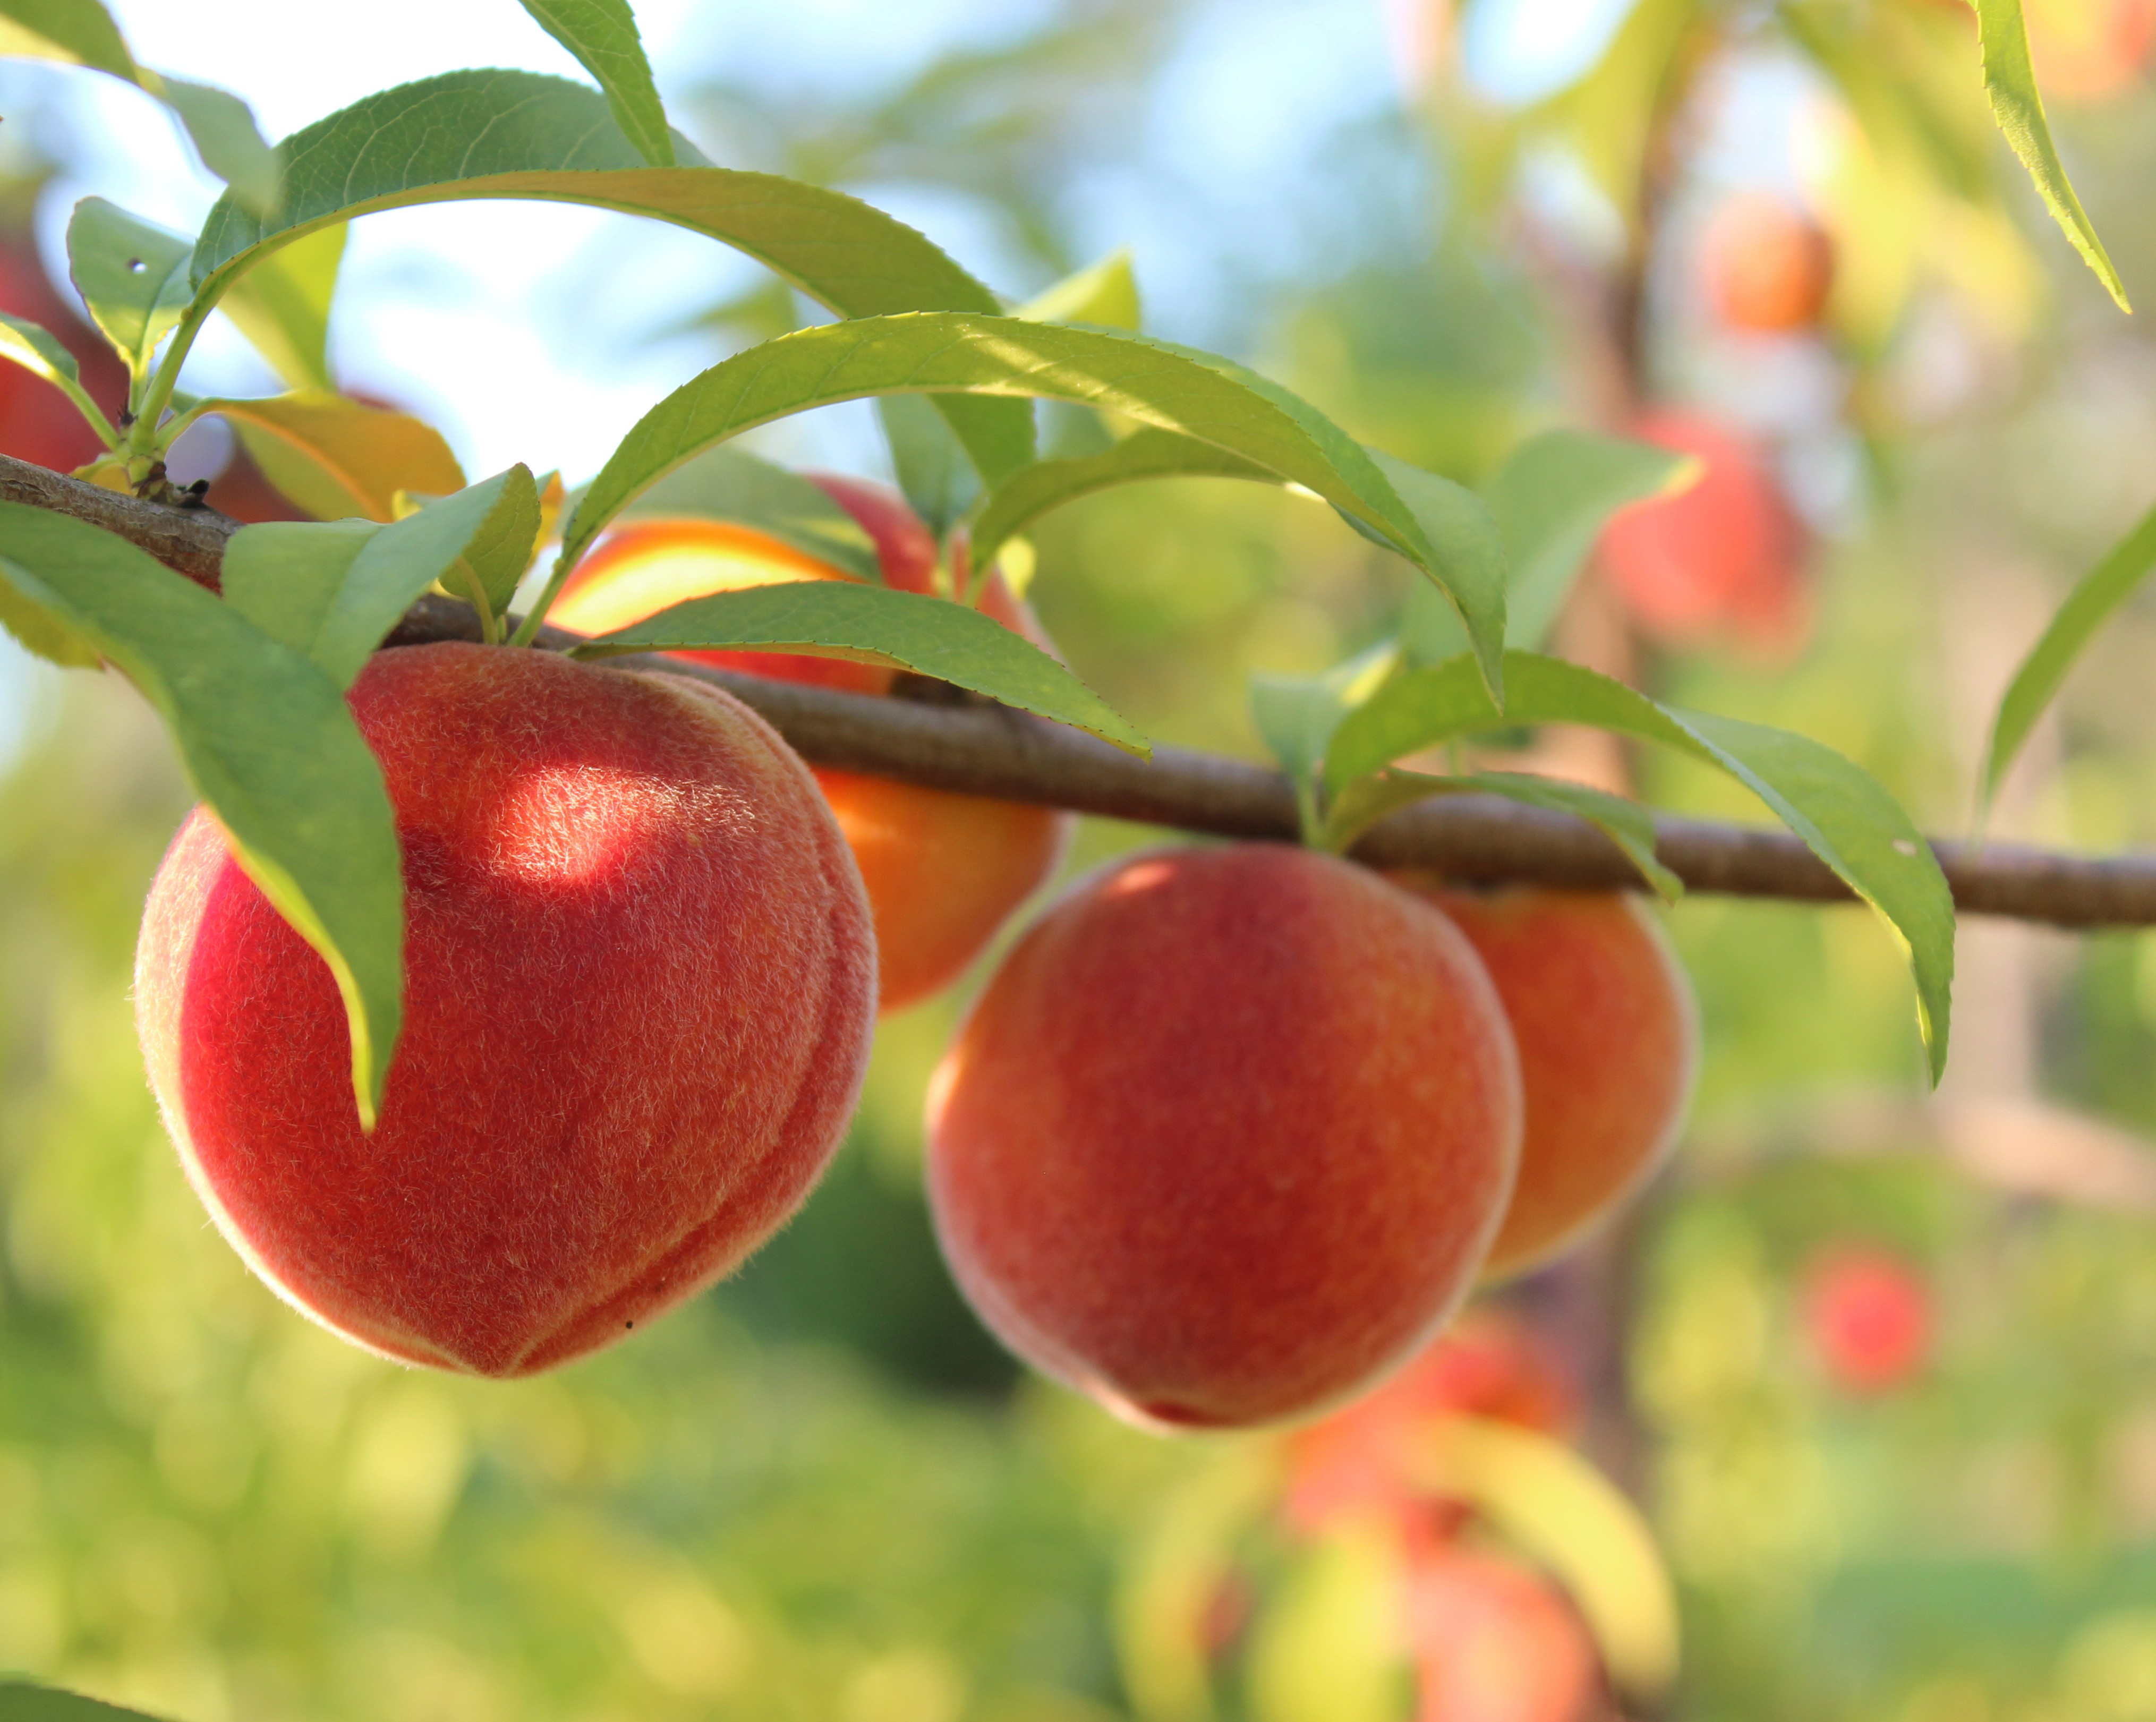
(1325,1647)
(332,592)
(1626,823)
(601,34)
(284,576)
(335,456)
(282,305)
(877,624)
(24,343)
(2010,81)
(1842,813)
(221,128)
(44,635)
(79,33)
(1033,491)
(731,485)
(500,550)
(131,273)
(1171,389)
(938,482)
(266,741)
(82,33)
(401,562)
(2102,590)
(31,346)
(1104,293)
(22,1702)
(1550,500)
(1467,539)
(517,135)
(1295,716)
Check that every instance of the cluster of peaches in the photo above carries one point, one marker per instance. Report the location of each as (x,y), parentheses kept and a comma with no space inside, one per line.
(1230,1133)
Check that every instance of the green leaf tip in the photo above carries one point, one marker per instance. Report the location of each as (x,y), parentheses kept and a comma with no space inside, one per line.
(267,742)
(602,35)
(132,275)
(2044,671)
(2009,80)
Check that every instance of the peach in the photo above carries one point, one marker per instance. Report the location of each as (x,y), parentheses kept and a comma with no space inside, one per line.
(1227,1135)
(1361,1463)
(1869,1314)
(1609,1042)
(640,979)
(943,870)
(1723,559)
(1495,1642)
(2089,50)
(1767,264)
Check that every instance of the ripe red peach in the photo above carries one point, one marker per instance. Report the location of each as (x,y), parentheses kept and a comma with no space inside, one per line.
(1723,560)
(943,870)
(1227,1136)
(1767,265)
(640,981)
(1869,1315)
(1608,1035)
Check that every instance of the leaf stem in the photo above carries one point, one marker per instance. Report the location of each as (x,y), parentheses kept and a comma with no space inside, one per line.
(527,630)
(88,408)
(489,624)
(143,440)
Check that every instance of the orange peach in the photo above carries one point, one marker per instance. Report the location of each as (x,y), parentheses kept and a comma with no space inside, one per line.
(1767,264)
(2089,50)
(943,870)
(1609,1040)
(639,989)
(1227,1136)
(1495,1642)
(1723,559)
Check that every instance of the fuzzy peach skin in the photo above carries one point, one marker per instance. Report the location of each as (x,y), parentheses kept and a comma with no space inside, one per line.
(641,989)
(943,870)
(1227,1136)
(1608,1036)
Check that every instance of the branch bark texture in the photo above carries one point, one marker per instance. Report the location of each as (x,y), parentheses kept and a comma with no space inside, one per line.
(988,750)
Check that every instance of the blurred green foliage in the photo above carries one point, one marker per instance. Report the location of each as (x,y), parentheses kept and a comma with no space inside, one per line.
(821,1492)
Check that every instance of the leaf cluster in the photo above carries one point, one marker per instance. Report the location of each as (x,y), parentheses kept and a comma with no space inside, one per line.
(252,687)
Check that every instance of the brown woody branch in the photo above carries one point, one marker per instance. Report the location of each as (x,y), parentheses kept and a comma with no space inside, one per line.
(988,750)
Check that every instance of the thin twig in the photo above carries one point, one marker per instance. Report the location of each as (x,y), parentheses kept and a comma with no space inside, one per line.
(988,750)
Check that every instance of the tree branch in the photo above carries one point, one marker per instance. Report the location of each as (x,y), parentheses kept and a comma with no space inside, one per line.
(988,750)
(191,540)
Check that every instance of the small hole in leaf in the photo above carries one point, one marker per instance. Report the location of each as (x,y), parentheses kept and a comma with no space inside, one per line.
(135,265)
(1902,846)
